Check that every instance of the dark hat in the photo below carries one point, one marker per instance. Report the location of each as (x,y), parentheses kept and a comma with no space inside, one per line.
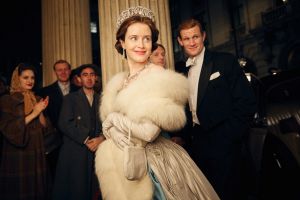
(84,66)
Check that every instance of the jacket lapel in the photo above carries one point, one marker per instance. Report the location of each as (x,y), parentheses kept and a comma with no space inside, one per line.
(57,88)
(84,99)
(204,76)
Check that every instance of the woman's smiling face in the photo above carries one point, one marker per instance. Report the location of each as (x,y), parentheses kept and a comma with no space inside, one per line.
(138,43)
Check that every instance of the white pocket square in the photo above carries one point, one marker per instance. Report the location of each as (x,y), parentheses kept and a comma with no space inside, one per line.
(214,76)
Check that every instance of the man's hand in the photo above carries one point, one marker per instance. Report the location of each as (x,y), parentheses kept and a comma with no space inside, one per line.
(93,143)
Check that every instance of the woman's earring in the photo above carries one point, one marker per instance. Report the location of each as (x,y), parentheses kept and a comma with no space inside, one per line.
(124,54)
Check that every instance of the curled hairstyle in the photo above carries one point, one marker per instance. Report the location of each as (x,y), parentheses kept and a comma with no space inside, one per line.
(136,19)
(189,23)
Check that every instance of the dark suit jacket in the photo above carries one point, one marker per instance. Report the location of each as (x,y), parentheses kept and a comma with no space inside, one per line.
(75,173)
(55,100)
(225,106)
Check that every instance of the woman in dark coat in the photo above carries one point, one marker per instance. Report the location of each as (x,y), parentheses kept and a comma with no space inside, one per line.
(22,123)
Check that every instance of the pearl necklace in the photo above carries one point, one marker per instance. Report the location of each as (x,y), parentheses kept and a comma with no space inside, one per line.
(133,77)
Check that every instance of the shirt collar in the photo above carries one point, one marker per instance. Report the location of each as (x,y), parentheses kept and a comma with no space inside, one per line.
(65,88)
(191,61)
(61,85)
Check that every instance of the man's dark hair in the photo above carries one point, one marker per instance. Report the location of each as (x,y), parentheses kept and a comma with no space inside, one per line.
(84,66)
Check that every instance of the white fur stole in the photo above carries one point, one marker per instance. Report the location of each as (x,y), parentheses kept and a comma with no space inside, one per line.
(156,95)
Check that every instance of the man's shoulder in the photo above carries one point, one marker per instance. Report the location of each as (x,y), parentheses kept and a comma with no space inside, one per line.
(74,94)
(221,55)
(48,90)
(74,88)
(97,95)
(50,87)
(223,61)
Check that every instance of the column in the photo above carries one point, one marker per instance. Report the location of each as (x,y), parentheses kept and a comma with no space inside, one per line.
(65,34)
(109,10)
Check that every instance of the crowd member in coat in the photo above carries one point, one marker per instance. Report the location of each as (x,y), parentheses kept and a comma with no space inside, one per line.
(80,124)
(61,87)
(221,107)
(136,106)
(23,171)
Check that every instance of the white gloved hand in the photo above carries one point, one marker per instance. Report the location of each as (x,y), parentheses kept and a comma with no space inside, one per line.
(106,125)
(146,131)
(120,121)
(120,139)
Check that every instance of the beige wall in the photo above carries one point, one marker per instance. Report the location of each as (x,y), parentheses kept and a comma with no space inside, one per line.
(65,34)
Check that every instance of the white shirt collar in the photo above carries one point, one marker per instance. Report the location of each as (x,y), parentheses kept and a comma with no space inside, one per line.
(61,85)
(65,88)
(191,61)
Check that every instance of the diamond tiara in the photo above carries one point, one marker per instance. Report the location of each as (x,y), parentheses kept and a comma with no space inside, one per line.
(134,11)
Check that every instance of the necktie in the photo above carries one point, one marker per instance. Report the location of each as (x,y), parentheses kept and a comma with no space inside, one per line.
(65,90)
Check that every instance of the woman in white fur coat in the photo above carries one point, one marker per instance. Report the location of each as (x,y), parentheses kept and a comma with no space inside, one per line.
(142,102)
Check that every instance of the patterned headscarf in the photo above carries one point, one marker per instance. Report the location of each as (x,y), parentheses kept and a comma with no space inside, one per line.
(15,86)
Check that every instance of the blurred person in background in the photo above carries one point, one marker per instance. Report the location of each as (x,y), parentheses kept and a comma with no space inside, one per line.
(158,56)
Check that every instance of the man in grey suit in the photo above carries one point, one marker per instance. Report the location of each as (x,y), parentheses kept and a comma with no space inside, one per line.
(221,107)
(81,127)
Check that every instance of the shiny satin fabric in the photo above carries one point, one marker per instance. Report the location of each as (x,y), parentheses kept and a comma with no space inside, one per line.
(177,173)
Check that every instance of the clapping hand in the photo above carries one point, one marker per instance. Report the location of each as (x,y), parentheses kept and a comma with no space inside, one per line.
(41,105)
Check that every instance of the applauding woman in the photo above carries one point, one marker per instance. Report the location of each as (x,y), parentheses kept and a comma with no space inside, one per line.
(22,123)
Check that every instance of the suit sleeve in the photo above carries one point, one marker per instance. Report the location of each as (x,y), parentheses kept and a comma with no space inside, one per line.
(12,122)
(71,125)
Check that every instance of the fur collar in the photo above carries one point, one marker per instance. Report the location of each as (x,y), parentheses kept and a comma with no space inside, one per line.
(156,95)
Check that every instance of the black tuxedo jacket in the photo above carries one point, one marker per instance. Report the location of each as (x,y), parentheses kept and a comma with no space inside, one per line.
(225,106)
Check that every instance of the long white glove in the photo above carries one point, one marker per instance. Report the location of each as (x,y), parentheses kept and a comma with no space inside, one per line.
(146,131)
(106,125)
(120,139)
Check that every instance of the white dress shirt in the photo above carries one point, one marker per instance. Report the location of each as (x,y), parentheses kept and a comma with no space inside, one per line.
(195,64)
(90,98)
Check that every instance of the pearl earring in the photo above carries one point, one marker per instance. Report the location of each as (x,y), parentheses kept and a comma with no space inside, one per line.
(124,54)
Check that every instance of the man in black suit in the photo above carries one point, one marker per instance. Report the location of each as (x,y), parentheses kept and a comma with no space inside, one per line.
(221,105)
(56,91)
